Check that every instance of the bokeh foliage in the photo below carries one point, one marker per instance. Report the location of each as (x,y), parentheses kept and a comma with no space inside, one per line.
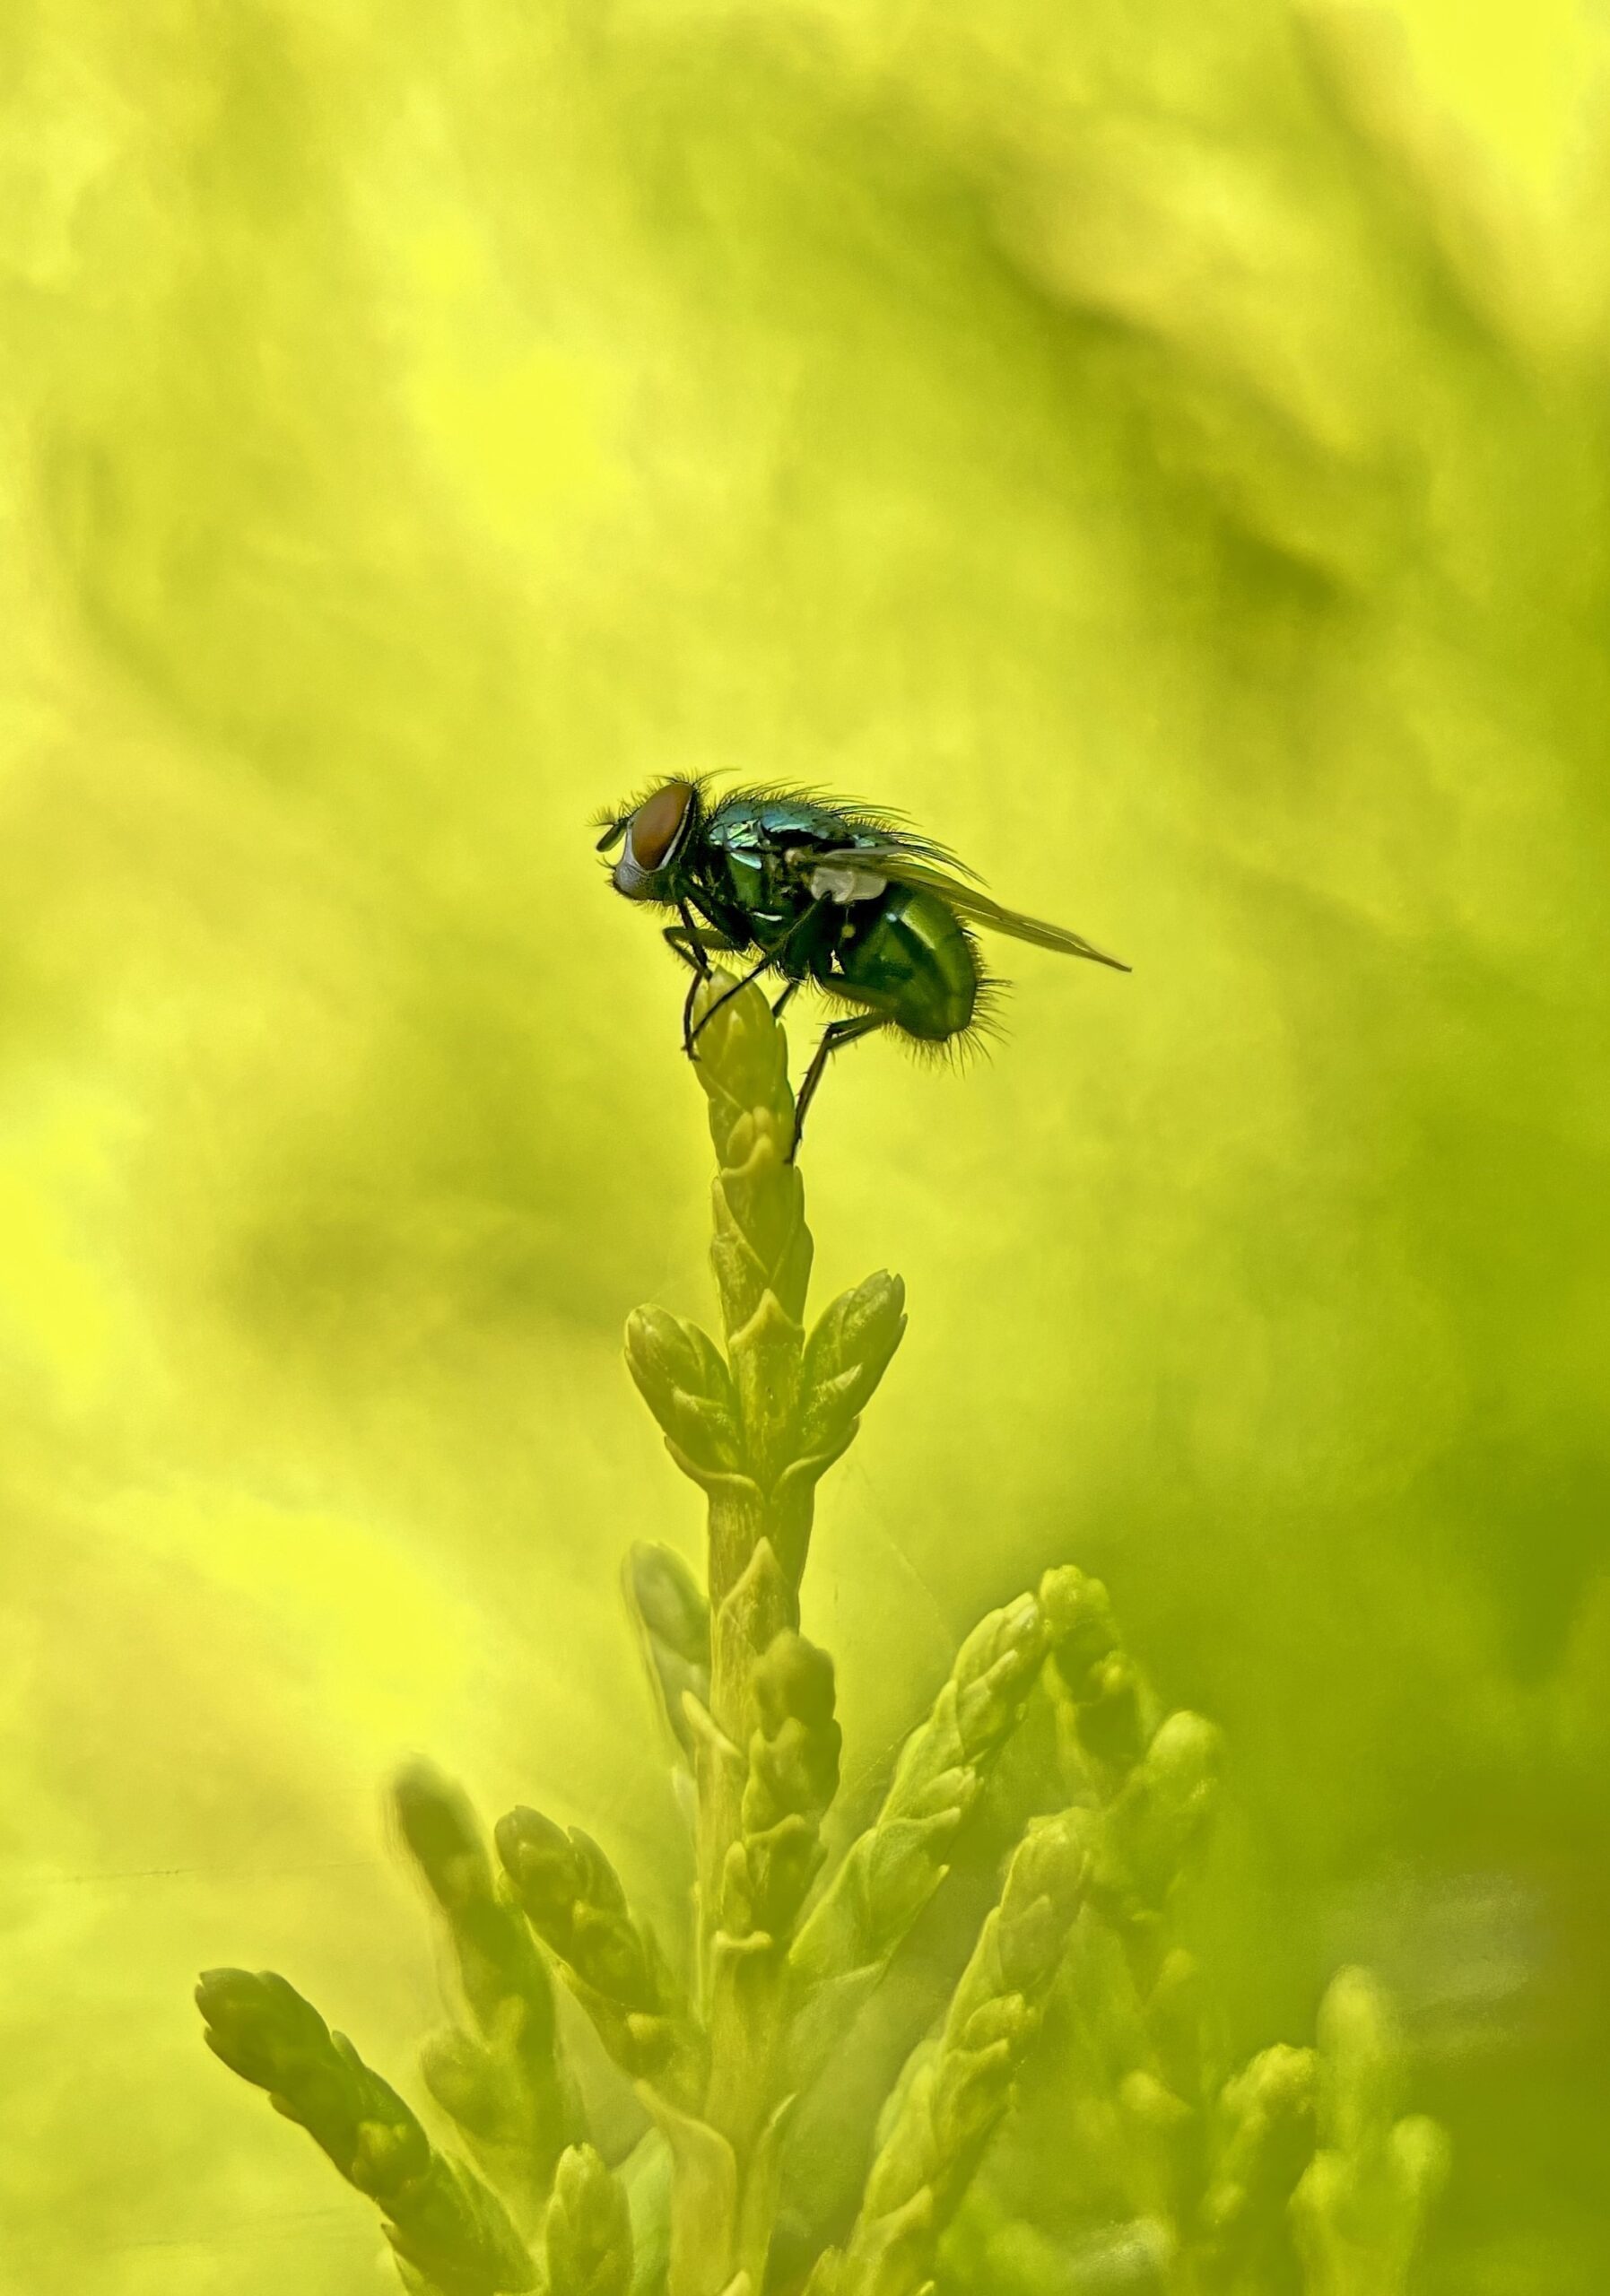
(1165,451)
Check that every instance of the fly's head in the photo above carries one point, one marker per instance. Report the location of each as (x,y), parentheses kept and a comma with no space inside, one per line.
(654,835)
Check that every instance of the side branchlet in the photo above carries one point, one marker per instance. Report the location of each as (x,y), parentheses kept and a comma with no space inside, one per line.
(673,1620)
(1360,2207)
(1152,1789)
(1103,1713)
(505,2083)
(573,1899)
(448,2228)
(849,1349)
(586,2238)
(1263,2139)
(682,1376)
(891,1870)
(958,2087)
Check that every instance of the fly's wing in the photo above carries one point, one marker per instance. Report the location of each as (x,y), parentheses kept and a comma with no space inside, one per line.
(903,867)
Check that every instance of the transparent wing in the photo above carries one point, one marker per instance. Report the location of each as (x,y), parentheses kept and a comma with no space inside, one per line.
(904,867)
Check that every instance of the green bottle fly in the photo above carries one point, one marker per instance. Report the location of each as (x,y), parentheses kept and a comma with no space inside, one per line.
(872,916)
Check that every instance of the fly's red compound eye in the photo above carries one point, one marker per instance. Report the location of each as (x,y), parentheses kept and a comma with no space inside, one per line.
(656,824)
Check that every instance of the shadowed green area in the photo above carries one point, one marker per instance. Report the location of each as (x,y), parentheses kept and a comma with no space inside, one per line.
(1163,451)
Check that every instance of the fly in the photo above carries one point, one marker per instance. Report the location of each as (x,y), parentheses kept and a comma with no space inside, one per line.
(877,918)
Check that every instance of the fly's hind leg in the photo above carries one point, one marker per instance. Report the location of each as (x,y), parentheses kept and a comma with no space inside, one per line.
(834,1038)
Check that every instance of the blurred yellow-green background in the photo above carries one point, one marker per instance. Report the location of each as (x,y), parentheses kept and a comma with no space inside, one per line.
(1166,451)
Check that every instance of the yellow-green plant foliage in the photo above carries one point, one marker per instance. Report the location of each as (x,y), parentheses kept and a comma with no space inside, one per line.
(1161,451)
(723,2066)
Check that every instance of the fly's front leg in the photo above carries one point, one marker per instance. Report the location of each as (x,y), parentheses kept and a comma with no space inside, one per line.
(695,949)
(726,998)
(834,1038)
(768,963)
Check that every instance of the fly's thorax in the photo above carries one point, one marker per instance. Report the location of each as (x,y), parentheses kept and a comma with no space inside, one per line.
(746,878)
(757,820)
(759,896)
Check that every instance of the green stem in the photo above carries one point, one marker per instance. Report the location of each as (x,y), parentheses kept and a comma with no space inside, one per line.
(755,1426)
(759,1521)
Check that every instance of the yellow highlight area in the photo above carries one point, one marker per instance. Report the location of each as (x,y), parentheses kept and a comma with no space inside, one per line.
(365,1629)
(65,1316)
(526,432)
(523,441)
(1527,85)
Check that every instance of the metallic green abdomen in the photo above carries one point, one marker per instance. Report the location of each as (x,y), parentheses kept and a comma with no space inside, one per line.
(910,959)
